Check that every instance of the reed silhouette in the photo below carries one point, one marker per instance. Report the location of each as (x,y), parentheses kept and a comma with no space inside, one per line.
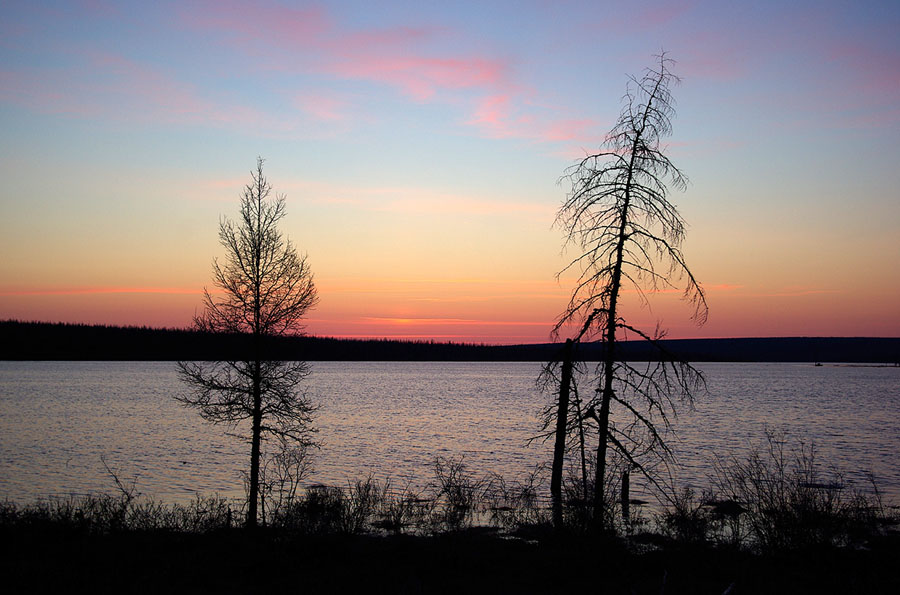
(480,534)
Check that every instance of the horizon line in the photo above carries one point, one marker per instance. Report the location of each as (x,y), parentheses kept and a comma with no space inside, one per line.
(437,338)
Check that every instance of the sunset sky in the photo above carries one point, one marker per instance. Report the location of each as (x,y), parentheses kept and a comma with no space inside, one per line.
(419,145)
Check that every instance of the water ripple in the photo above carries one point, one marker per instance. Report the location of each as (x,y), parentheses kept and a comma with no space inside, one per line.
(57,419)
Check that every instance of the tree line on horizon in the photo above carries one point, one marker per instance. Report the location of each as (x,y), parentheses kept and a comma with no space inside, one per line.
(28,340)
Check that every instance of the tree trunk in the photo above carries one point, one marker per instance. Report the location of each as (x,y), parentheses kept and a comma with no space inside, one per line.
(609,362)
(609,352)
(584,480)
(258,243)
(255,448)
(600,473)
(559,449)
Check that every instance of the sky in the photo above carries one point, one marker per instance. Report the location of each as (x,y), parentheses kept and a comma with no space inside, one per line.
(420,145)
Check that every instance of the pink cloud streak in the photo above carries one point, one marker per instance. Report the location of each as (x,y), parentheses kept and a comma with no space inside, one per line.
(111,86)
(308,40)
(323,107)
(663,14)
(497,116)
(422,77)
(399,321)
(101,290)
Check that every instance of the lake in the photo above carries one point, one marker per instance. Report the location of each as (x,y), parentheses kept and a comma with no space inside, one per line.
(60,421)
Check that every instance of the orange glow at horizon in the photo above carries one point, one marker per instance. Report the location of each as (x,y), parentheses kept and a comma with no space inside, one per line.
(477,310)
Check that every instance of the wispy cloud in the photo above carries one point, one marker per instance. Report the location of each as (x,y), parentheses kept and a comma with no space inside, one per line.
(296,57)
(249,24)
(785,292)
(713,55)
(423,201)
(505,116)
(664,14)
(413,200)
(422,77)
(323,106)
(448,321)
(802,292)
(871,100)
(99,290)
(111,86)
(310,41)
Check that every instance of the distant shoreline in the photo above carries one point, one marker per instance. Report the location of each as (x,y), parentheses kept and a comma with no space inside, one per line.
(45,341)
(862,365)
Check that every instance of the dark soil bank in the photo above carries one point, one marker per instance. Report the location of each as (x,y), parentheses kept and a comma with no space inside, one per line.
(235,562)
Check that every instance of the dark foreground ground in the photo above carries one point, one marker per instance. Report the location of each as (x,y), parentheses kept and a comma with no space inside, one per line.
(235,562)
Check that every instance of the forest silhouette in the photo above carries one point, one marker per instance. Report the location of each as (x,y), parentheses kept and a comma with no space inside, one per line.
(21,340)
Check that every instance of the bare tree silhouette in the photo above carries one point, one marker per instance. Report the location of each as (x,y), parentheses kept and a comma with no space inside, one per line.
(264,290)
(618,216)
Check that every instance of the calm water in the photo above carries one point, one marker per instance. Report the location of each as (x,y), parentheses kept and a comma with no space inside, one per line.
(57,419)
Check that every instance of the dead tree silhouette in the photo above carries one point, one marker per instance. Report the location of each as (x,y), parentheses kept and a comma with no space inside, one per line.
(627,232)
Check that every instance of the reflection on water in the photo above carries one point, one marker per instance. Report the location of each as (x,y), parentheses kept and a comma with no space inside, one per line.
(57,419)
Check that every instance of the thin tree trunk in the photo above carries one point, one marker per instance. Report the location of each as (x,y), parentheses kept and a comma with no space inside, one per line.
(584,480)
(609,362)
(609,352)
(600,472)
(559,449)
(255,448)
(257,352)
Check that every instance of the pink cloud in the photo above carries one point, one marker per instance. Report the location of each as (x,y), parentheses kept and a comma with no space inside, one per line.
(246,23)
(712,55)
(106,85)
(322,106)
(39,92)
(270,37)
(450,321)
(852,83)
(493,114)
(100,290)
(568,130)
(423,203)
(132,81)
(630,19)
(100,8)
(309,41)
(481,331)
(663,14)
(497,116)
(422,77)
(116,85)
(875,72)
(791,292)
